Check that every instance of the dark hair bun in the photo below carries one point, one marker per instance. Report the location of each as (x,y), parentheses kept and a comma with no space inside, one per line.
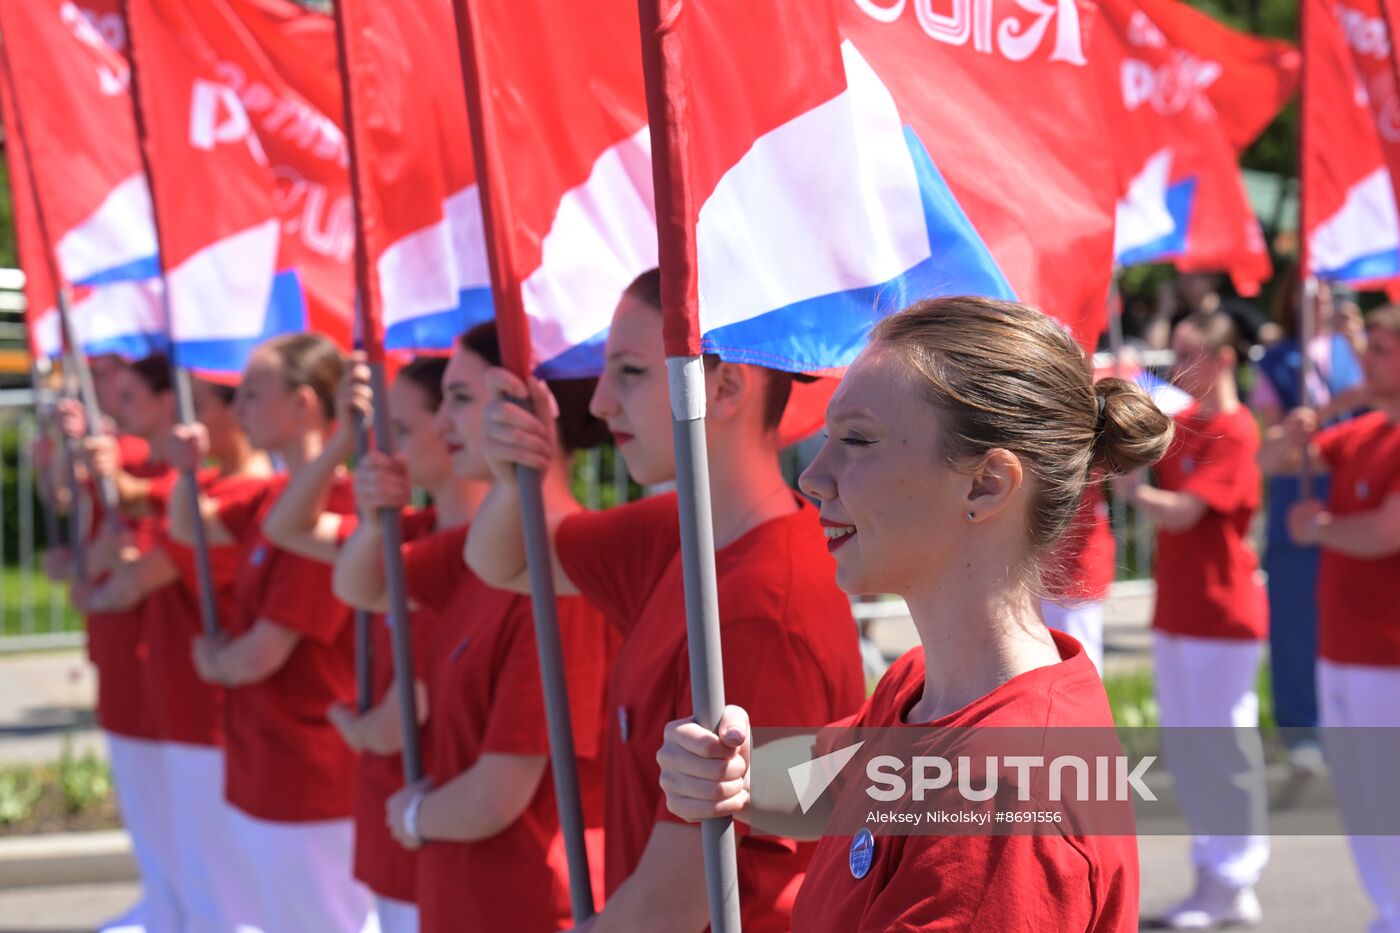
(1133,432)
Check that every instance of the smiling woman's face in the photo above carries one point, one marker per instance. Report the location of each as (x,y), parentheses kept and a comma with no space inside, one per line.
(459,418)
(891,506)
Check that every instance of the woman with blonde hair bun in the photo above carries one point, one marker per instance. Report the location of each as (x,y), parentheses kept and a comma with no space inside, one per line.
(960,442)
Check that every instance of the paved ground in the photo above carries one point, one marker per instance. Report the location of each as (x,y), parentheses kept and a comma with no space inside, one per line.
(46,699)
(1309,886)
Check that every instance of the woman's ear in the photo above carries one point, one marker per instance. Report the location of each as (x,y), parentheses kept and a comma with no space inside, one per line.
(729,385)
(307,403)
(993,483)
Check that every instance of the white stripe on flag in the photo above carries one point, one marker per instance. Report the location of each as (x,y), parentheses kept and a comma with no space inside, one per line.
(426,271)
(1365,225)
(1142,216)
(603,237)
(119,232)
(121,309)
(222,292)
(825,203)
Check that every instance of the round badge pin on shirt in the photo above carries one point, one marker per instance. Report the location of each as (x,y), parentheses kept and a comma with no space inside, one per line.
(862,853)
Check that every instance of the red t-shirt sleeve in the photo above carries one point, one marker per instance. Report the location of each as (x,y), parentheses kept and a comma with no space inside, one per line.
(299,598)
(238,511)
(516,724)
(615,557)
(433,567)
(1223,475)
(1331,442)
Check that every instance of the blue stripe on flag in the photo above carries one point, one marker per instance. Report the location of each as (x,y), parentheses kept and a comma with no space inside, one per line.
(438,330)
(830,330)
(134,271)
(1181,201)
(286,313)
(1381,265)
(581,361)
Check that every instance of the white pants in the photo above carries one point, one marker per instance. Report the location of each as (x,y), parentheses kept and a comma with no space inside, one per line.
(143,794)
(1083,621)
(396,916)
(1209,713)
(211,892)
(1364,765)
(300,874)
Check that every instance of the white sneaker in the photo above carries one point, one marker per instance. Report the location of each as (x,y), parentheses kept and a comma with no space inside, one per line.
(1306,764)
(1214,905)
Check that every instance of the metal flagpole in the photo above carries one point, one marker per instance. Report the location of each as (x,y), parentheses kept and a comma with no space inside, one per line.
(184,393)
(43,404)
(1115,346)
(75,363)
(1307,283)
(390,520)
(1308,374)
(364,650)
(686,377)
(667,109)
(515,347)
(391,533)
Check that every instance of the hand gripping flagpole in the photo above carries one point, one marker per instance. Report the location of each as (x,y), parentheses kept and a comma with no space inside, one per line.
(514,329)
(184,379)
(668,109)
(686,378)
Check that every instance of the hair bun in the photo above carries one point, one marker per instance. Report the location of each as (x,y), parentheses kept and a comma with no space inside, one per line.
(1132,431)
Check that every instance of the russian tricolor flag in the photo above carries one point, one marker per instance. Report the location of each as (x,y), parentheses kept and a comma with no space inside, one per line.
(71,91)
(1351,152)
(419,203)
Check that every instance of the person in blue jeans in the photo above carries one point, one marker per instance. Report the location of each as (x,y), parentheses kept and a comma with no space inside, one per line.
(1334,390)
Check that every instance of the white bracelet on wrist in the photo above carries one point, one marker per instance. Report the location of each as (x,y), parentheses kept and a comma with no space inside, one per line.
(410,817)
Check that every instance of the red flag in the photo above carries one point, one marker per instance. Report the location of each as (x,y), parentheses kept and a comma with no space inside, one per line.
(1184,199)
(1002,95)
(918,191)
(71,86)
(40,290)
(241,108)
(1248,78)
(1350,143)
(419,210)
(559,134)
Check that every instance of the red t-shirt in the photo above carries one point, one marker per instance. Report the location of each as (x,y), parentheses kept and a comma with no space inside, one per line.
(116,641)
(285,762)
(1358,598)
(790,658)
(187,709)
(986,883)
(385,867)
(484,696)
(1207,576)
(1085,562)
